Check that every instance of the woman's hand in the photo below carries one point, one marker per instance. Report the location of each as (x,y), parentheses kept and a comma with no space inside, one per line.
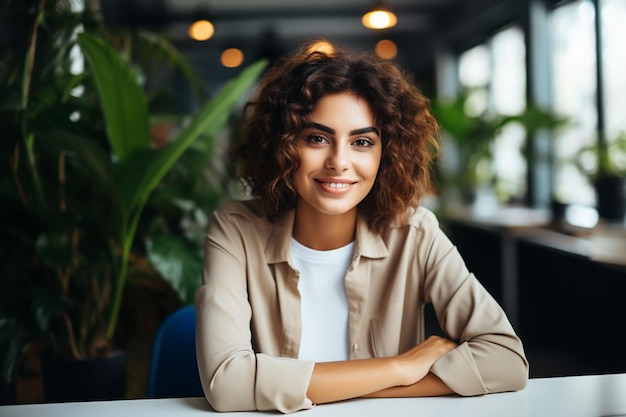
(414,364)
(404,375)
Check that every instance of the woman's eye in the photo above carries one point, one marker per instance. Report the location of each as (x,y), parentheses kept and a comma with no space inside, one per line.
(317,139)
(363,142)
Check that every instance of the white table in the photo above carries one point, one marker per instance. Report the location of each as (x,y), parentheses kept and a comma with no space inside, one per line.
(575,396)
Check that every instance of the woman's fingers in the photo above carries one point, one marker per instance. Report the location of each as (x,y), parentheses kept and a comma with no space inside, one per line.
(416,362)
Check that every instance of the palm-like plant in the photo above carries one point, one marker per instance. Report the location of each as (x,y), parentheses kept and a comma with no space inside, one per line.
(136,168)
(80,173)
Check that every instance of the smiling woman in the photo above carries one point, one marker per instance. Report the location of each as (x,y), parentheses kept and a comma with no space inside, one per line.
(313,290)
(339,158)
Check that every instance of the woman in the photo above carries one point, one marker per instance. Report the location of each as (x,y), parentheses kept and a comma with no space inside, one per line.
(313,291)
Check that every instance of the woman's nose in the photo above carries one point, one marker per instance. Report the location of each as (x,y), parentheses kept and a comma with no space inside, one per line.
(337,159)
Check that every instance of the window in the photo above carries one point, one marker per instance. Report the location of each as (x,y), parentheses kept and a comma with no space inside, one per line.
(574,89)
(494,74)
(567,74)
(613,20)
(509,98)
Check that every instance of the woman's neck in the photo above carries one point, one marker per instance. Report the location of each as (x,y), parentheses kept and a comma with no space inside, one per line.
(321,231)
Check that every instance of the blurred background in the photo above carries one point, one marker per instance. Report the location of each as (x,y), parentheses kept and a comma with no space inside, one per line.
(501,55)
(530,94)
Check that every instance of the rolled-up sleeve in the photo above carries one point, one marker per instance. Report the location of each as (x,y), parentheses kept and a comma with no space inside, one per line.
(234,377)
(490,356)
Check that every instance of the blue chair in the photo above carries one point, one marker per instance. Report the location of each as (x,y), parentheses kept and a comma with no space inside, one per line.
(173,368)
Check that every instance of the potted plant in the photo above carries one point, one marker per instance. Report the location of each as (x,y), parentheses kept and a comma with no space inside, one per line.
(473,137)
(80,173)
(607,172)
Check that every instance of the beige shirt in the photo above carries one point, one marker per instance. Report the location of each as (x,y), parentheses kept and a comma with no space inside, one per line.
(248,310)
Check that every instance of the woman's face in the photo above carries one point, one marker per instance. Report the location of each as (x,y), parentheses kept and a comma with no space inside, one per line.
(340,152)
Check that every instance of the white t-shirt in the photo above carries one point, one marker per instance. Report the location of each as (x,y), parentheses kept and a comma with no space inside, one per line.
(324,304)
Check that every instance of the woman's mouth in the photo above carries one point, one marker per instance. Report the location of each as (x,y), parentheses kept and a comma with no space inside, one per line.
(335,186)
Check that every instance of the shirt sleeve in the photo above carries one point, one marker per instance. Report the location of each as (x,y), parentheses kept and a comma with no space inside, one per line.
(234,377)
(490,356)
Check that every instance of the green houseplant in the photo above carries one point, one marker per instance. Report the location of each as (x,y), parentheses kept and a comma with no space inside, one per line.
(80,173)
(604,163)
(473,137)
(139,168)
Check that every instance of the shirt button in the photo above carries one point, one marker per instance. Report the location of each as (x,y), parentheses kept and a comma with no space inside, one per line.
(355,346)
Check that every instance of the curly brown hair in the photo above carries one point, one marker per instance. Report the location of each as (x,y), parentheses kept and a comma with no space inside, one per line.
(287,95)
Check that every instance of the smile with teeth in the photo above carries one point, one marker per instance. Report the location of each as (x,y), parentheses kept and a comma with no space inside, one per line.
(336,184)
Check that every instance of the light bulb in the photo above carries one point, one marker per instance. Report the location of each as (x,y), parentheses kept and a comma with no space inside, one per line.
(379,19)
(231,58)
(201,30)
(386,49)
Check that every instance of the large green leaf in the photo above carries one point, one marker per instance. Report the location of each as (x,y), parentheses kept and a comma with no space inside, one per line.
(123,100)
(138,175)
(179,265)
(140,172)
(134,176)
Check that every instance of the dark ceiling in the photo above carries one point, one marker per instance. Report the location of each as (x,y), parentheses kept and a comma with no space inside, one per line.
(288,18)
(272,27)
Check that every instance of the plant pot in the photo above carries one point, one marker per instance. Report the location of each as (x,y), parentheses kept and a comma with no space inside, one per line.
(611,198)
(68,379)
(7,392)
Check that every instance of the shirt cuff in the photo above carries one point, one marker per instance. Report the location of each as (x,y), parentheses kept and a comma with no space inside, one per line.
(458,370)
(282,384)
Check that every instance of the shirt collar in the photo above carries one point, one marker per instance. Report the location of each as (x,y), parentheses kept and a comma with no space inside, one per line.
(279,243)
(369,243)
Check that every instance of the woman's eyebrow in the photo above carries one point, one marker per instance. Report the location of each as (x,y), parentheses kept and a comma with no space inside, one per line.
(330,130)
(365,130)
(321,127)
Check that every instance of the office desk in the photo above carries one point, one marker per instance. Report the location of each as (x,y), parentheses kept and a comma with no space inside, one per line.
(574,396)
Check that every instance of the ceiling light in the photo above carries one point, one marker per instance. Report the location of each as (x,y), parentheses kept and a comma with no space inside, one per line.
(386,49)
(231,58)
(201,30)
(379,18)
